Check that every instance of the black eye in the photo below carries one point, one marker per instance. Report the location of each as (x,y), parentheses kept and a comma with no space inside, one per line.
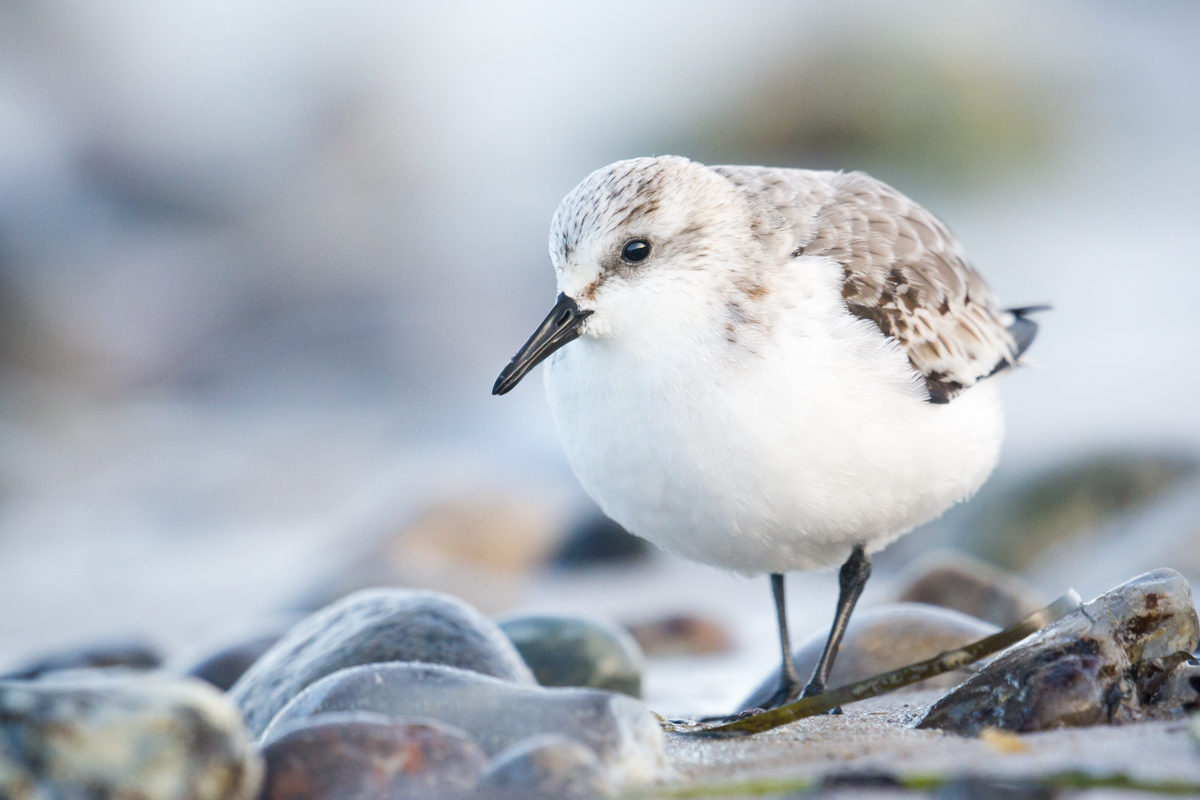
(635,250)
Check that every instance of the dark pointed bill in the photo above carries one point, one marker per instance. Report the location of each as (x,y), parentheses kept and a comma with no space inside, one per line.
(560,326)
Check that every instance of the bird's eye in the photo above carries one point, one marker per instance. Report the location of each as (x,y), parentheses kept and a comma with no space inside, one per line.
(635,250)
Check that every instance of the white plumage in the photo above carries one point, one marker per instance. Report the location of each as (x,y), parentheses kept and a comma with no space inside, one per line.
(770,456)
(725,402)
(769,369)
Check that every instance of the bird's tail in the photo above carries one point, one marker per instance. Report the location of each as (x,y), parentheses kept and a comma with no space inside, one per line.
(1022,329)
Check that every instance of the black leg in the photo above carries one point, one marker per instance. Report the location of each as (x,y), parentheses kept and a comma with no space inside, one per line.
(789,682)
(851,580)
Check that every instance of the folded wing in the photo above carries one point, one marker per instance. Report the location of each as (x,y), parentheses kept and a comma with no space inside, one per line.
(904,271)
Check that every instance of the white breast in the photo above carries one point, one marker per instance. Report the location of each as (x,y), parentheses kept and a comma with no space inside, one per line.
(778,451)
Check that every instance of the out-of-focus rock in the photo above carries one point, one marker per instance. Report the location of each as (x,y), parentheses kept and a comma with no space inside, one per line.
(549,767)
(598,540)
(223,667)
(224,656)
(502,532)
(98,734)
(681,635)
(992,787)
(564,650)
(489,590)
(497,714)
(476,548)
(966,584)
(881,639)
(371,626)
(359,756)
(1114,660)
(130,654)
(1012,523)
(1166,533)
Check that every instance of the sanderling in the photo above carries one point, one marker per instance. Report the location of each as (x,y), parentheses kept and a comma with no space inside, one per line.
(771,369)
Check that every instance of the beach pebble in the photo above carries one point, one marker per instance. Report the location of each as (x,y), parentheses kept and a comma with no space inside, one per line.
(549,767)
(503,531)
(360,756)
(477,545)
(881,639)
(974,587)
(223,667)
(372,626)
(596,541)
(565,650)
(681,635)
(1117,659)
(991,787)
(100,734)
(497,714)
(132,654)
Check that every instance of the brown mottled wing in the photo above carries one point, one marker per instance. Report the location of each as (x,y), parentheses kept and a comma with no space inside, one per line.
(904,271)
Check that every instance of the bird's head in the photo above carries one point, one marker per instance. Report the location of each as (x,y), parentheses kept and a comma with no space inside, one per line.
(639,244)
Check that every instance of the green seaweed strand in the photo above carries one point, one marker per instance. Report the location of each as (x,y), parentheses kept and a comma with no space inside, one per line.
(888,681)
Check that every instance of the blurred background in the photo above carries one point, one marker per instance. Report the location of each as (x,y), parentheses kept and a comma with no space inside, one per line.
(260,262)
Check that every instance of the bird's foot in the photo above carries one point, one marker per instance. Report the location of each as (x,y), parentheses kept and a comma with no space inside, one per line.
(749,712)
(815,688)
(788,692)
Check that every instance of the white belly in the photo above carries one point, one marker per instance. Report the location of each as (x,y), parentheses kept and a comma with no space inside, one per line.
(768,461)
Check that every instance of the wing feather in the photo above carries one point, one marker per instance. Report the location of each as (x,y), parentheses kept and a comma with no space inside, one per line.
(904,271)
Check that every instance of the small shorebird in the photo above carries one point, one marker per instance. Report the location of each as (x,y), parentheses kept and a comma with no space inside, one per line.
(770,369)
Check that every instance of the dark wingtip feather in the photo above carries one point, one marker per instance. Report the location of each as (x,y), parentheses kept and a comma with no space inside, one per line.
(1024,330)
(1025,311)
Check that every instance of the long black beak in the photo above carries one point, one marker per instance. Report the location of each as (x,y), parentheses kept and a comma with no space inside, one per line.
(560,326)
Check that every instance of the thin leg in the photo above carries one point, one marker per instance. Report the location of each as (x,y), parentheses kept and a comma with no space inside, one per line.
(851,580)
(789,682)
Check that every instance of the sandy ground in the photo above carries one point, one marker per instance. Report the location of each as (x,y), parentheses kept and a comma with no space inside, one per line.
(877,737)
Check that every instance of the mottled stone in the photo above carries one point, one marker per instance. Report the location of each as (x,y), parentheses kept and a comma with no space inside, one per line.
(564,650)
(497,714)
(957,581)
(598,540)
(549,767)
(681,635)
(1114,660)
(881,639)
(361,756)
(101,734)
(373,626)
(130,654)
(1182,689)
